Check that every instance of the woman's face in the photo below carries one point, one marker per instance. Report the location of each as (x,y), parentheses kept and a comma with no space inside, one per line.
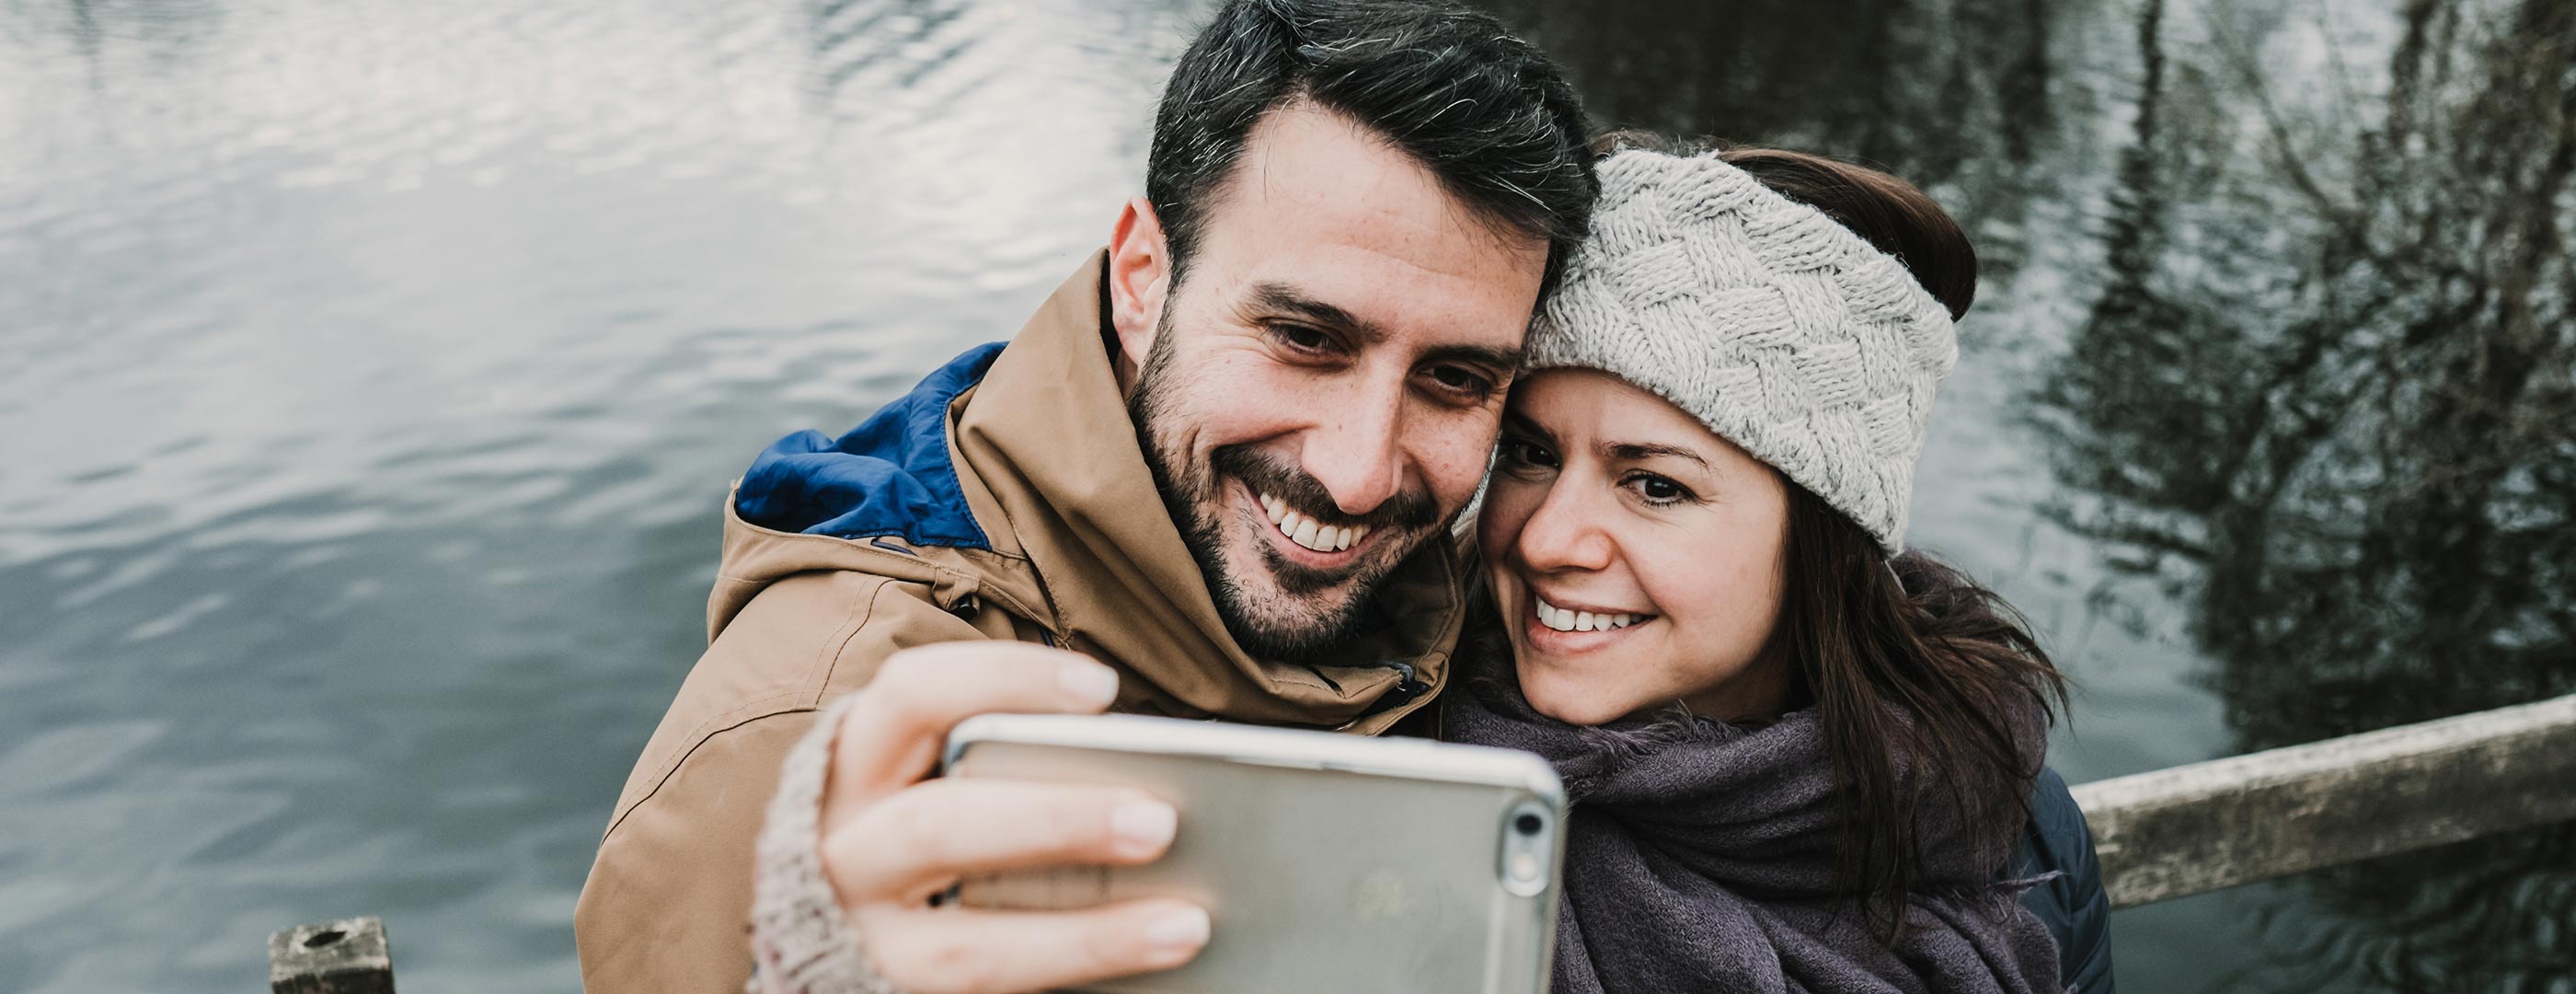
(1636,556)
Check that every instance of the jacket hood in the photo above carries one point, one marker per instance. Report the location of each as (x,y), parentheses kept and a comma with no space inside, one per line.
(1013,475)
(891,475)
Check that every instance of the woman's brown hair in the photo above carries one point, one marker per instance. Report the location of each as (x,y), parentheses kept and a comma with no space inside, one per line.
(1911,666)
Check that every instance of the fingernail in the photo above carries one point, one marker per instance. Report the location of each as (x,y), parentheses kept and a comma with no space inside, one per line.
(1178,930)
(1144,826)
(1088,682)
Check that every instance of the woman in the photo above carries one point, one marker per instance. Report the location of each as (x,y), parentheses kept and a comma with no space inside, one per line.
(1798,753)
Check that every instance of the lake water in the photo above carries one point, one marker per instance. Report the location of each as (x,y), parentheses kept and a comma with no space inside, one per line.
(371,374)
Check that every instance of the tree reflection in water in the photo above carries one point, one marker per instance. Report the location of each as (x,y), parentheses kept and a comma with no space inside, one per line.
(1956,97)
(2321,396)
(2325,398)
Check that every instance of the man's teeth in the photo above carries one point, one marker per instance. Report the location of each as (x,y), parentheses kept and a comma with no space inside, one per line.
(1309,532)
(1563,620)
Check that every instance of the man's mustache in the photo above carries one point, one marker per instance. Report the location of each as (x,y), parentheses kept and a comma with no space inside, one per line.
(1408,510)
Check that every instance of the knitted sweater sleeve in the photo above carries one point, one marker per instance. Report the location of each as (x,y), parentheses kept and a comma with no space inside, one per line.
(801,941)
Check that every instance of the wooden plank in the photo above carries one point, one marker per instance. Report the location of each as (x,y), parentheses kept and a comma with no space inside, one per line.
(2181,831)
(349,956)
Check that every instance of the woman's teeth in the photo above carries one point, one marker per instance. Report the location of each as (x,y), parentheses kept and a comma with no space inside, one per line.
(1563,620)
(1309,532)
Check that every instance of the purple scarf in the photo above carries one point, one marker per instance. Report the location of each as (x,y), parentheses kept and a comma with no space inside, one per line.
(1700,857)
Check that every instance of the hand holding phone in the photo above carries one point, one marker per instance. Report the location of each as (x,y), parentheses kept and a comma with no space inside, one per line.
(891,839)
(1328,862)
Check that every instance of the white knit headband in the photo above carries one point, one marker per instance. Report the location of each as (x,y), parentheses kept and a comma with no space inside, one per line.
(1782,331)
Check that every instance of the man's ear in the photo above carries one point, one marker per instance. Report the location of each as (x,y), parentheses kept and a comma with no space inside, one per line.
(1140,273)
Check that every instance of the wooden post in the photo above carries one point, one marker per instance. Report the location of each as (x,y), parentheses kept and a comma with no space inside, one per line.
(2181,831)
(348,956)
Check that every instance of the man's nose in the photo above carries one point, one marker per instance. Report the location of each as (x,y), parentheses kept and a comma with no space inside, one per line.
(1565,532)
(1355,452)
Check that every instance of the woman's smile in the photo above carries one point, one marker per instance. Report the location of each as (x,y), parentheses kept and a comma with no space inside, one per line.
(1574,627)
(1575,618)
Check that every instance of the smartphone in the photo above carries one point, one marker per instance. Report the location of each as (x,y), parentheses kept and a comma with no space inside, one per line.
(1327,861)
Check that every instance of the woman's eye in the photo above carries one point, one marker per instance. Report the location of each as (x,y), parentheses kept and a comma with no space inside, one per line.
(1520,453)
(1657,490)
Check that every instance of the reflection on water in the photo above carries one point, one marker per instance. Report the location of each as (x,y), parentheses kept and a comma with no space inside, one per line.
(1953,95)
(2347,435)
(373,371)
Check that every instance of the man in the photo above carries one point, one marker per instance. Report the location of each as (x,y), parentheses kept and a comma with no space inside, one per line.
(1221,460)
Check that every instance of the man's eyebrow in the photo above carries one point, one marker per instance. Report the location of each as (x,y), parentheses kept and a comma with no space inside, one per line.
(1278,296)
(1505,360)
(1634,451)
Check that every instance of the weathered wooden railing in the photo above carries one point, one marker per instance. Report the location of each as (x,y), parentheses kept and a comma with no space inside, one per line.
(2161,835)
(2208,826)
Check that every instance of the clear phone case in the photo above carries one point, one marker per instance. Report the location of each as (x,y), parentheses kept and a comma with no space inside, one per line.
(1327,862)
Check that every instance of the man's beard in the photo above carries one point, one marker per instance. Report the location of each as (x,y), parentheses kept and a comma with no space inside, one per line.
(1287,631)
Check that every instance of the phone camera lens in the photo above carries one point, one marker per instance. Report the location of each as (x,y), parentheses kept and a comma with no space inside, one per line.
(1525,857)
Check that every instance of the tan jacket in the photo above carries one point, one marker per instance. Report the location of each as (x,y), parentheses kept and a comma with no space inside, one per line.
(1081,554)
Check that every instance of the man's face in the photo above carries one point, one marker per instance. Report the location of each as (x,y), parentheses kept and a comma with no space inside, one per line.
(1321,390)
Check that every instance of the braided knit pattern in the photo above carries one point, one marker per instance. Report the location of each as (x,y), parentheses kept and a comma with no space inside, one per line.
(1782,331)
(801,941)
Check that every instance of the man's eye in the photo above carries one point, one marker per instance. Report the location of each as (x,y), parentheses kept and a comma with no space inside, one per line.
(1462,382)
(1301,338)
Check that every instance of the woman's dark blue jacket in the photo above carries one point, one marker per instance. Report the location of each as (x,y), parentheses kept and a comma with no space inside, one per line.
(2073,904)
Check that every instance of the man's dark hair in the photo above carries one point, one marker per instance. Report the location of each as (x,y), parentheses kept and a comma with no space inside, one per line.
(1483,110)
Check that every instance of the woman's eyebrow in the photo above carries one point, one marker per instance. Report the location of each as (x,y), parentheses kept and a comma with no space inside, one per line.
(1633,451)
(1520,423)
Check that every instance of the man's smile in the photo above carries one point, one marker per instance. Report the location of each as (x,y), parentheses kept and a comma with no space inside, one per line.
(1304,537)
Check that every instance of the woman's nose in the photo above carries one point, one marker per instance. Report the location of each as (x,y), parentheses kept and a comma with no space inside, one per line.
(1566,532)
